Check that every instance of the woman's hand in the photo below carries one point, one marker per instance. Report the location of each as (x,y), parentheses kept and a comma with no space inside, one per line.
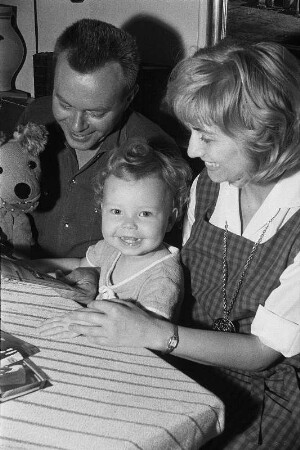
(114,323)
(85,280)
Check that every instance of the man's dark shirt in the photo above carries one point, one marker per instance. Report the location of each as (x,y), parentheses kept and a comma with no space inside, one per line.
(67,220)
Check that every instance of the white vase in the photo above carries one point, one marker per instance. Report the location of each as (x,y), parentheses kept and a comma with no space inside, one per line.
(11,49)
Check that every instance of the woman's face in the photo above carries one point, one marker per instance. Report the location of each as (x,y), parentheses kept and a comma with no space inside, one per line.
(222,155)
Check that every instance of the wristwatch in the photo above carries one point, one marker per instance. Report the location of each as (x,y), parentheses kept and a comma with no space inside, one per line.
(173,341)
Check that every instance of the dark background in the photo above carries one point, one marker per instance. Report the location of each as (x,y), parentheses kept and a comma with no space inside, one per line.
(278,24)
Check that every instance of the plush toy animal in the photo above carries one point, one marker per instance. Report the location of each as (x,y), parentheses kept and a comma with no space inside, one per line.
(19,186)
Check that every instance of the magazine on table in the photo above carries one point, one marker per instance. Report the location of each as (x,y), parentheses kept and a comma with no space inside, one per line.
(14,349)
(18,374)
(14,269)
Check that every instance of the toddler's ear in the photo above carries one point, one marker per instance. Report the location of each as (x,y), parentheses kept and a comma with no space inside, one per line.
(172,219)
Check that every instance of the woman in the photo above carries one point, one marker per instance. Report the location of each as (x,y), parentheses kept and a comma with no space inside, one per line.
(241,244)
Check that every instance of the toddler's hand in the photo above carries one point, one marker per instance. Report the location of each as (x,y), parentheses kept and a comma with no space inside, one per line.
(58,327)
(85,280)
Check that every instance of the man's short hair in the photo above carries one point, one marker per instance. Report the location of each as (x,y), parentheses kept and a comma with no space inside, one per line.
(89,44)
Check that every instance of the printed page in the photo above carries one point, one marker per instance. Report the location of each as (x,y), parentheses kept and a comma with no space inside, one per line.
(13,269)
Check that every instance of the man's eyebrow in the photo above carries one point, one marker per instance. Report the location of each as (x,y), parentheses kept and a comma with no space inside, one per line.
(99,109)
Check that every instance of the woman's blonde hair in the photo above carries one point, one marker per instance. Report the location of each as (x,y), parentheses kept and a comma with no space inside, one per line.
(252,94)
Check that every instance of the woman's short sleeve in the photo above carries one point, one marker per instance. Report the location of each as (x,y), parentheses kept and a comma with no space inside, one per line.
(277,323)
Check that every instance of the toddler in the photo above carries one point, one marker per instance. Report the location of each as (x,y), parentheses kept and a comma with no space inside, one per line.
(142,192)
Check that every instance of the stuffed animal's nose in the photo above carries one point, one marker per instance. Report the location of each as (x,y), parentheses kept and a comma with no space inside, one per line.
(22,190)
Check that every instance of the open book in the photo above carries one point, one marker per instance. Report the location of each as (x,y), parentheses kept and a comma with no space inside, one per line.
(14,269)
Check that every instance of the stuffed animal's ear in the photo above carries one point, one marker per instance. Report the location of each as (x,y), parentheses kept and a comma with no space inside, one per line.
(32,137)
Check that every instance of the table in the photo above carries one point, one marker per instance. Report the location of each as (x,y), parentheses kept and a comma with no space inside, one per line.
(100,398)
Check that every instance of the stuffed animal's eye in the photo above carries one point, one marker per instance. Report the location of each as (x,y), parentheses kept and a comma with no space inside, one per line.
(1,170)
(31,164)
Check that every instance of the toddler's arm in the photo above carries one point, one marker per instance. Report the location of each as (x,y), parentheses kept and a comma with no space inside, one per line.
(50,265)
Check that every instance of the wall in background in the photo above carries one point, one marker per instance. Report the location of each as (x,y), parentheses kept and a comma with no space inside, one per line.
(25,23)
(166,30)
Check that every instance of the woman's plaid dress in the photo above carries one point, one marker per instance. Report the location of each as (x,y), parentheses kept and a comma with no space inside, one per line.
(262,408)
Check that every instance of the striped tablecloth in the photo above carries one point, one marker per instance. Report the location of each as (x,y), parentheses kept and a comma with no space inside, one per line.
(100,398)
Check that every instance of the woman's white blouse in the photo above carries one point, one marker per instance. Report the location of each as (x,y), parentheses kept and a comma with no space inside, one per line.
(277,323)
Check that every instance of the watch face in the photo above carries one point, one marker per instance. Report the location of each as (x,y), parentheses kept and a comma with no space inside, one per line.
(173,341)
(172,344)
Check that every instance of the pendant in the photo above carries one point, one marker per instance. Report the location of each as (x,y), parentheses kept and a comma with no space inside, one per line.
(224,325)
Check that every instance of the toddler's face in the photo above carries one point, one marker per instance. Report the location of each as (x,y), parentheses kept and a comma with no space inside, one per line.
(136,214)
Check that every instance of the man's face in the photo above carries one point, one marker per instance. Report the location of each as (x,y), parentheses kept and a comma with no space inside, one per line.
(88,106)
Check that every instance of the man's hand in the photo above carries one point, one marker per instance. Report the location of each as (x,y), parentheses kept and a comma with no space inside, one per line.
(85,280)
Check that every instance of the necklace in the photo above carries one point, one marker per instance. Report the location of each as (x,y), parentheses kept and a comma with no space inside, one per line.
(224,323)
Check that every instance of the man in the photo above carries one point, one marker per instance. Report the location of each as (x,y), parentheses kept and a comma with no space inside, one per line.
(94,85)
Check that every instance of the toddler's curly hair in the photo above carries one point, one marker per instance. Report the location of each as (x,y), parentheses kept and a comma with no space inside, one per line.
(137,159)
